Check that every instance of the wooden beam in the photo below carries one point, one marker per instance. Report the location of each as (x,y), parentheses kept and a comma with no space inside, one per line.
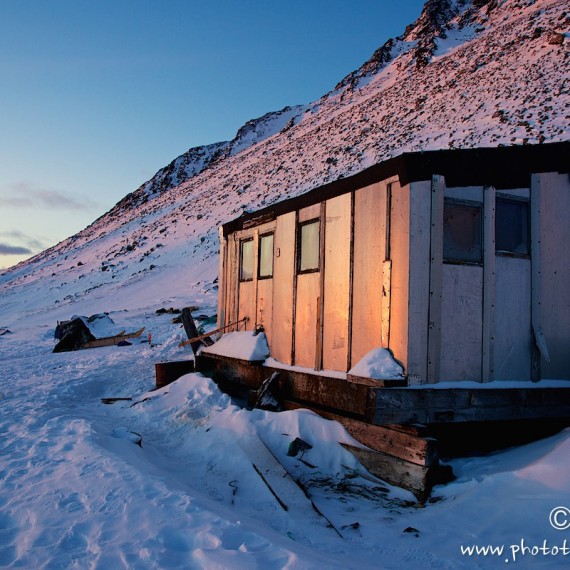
(408,406)
(415,449)
(206,335)
(333,393)
(415,478)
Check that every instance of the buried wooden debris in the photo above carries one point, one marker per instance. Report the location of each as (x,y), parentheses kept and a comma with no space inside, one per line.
(195,339)
(419,479)
(233,485)
(207,335)
(298,445)
(113,400)
(168,372)
(303,488)
(265,397)
(281,503)
(113,340)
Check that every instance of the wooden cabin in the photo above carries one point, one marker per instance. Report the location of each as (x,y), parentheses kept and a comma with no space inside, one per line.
(457,261)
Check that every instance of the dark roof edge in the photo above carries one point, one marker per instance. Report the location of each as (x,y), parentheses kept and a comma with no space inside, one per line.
(502,167)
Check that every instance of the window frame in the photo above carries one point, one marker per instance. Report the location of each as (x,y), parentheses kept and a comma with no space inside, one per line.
(472,204)
(261,237)
(300,227)
(243,279)
(518,200)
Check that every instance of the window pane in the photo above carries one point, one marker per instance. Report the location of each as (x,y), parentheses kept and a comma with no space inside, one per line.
(246,260)
(462,232)
(266,256)
(309,254)
(511,226)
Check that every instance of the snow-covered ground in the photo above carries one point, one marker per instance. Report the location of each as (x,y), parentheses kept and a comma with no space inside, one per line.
(181,477)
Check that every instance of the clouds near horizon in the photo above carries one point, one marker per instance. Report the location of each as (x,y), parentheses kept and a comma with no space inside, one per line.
(7,249)
(19,243)
(27,195)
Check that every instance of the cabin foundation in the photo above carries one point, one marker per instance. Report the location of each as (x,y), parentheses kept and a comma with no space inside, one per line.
(404,429)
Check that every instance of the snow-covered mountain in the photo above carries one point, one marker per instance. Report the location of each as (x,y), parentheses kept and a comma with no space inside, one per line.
(197,159)
(467,73)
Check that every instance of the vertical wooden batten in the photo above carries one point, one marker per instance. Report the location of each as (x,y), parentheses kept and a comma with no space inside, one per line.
(321,298)
(536,277)
(435,278)
(350,284)
(489,193)
(222,279)
(387,271)
(294,318)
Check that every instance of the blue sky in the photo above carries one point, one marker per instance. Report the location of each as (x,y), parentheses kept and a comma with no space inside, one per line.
(95,97)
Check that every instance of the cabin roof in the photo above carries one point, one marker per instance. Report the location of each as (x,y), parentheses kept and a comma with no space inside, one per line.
(502,167)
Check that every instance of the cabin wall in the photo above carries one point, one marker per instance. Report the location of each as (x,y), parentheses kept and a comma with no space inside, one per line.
(307,324)
(382,281)
(554,271)
(400,282)
(419,280)
(283,288)
(336,316)
(369,257)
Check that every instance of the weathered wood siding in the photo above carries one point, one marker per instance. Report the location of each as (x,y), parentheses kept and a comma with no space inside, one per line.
(554,268)
(462,322)
(512,328)
(337,283)
(400,255)
(232,286)
(307,305)
(369,255)
(283,284)
(419,287)
(247,304)
(308,286)
(462,309)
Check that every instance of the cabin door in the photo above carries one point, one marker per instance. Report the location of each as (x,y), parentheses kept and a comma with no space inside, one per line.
(461,349)
(512,338)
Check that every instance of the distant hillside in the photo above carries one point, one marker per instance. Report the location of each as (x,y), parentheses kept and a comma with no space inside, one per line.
(467,73)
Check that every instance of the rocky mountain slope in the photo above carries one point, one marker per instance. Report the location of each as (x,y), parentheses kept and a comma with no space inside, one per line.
(467,73)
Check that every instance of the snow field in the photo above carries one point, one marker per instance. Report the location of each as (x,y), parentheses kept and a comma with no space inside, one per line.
(77,491)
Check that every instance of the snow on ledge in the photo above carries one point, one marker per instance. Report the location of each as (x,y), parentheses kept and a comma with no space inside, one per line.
(243,345)
(378,364)
(272,363)
(493,385)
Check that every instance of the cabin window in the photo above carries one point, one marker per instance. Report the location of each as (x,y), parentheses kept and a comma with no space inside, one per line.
(462,232)
(265,256)
(512,226)
(246,260)
(308,247)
